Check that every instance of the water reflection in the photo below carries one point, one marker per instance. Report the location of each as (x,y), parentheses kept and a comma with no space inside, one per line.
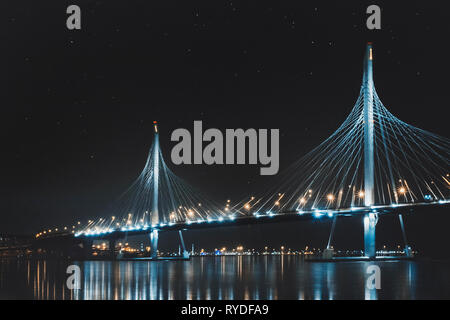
(232,277)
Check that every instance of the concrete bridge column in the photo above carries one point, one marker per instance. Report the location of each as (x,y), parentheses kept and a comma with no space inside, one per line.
(185,252)
(154,243)
(370,221)
(407,249)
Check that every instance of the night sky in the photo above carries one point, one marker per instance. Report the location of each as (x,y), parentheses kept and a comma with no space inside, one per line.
(77,106)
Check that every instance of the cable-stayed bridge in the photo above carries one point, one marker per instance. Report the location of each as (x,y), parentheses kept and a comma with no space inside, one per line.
(373,164)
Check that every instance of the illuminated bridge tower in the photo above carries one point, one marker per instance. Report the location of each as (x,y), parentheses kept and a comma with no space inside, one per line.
(155,181)
(370,219)
(158,167)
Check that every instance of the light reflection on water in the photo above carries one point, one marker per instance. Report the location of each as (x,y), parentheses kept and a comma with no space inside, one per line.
(232,277)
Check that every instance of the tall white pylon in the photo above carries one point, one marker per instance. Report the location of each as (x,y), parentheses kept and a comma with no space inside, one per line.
(155,215)
(370,219)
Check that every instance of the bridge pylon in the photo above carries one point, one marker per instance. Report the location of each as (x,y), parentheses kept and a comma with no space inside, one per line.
(370,220)
(155,214)
(155,219)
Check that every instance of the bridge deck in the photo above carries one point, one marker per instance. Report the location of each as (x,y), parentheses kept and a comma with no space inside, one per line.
(257,219)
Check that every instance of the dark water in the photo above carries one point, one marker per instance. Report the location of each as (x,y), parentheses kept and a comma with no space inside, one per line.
(231,277)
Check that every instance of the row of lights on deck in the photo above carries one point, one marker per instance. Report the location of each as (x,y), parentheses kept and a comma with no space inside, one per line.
(45,232)
(330,197)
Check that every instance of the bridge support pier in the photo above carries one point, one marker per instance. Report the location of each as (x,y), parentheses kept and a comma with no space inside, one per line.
(407,249)
(328,253)
(185,252)
(154,244)
(370,221)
